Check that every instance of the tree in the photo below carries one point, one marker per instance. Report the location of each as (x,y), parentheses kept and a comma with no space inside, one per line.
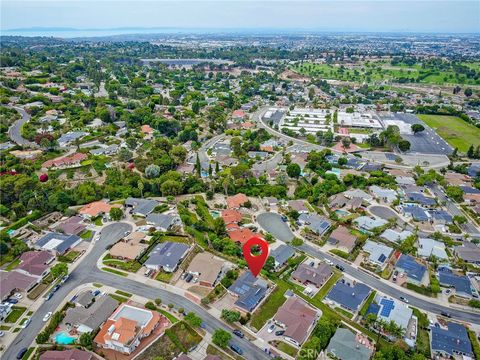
(230,316)
(294,170)
(116,213)
(192,319)
(152,171)
(171,187)
(86,341)
(458,219)
(342,161)
(346,142)
(221,338)
(124,154)
(468,92)
(404,145)
(471,152)
(140,186)
(58,270)
(269,264)
(454,192)
(416,128)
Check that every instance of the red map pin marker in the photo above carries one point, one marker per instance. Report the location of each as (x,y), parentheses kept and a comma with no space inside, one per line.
(255,262)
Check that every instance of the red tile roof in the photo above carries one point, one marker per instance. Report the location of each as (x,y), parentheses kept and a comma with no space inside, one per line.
(231,216)
(238,114)
(95,208)
(66,160)
(236,201)
(241,235)
(146,129)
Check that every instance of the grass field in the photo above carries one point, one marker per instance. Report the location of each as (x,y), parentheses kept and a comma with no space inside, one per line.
(454,130)
(376,72)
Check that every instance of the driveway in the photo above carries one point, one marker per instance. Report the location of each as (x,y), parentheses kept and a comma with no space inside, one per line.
(273,223)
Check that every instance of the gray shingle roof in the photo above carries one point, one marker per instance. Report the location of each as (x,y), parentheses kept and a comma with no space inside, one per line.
(452,341)
(282,253)
(349,296)
(167,254)
(344,346)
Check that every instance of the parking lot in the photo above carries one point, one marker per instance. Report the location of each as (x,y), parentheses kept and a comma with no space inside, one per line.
(426,142)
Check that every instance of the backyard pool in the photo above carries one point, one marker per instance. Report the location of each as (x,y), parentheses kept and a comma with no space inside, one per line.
(63,339)
(215,213)
(342,213)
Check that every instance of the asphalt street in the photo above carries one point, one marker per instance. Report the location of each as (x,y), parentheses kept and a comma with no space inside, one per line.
(15,130)
(394,292)
(87,272)
(273,223)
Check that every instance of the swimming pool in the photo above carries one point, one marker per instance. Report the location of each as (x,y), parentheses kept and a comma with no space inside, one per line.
(215,214)
(63,339)
(342,213)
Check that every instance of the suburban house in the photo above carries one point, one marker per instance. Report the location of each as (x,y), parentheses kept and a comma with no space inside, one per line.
(281,254)
(468,252)
(389,310)
(249,291)
(415,271)
(368,223)
(130,248)
(95,209)
(460,283)
(127,326)
(298,319)
(342,239)
(35,263)
(73,354)
(13,281)
(415,212)
(88,319)
(450,342)
(166,256)
(5,310)
(299,206)
(236,201)
(428,247)
(314,223)
(346,345)
(348,296)
(386,195)
(207,268)
(163,222)
(65,162)
(395,236)
(340,201)
(58,243)
(70,137)
(312,275)
(378,253)
(140,207)
(240,235)
(71,226)
(231,216)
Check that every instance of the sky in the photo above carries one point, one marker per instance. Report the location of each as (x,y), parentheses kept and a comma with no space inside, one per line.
(349,16)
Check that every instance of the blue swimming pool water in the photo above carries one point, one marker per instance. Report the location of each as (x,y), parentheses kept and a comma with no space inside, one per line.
(64,339)
(342,213)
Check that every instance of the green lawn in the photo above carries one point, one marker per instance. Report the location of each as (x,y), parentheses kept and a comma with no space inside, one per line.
(458,133)
(69,257)
(17,312)
(287,349)
(169,316)
(328,285)
(164,276)
(367,303)
(123,293)
(119,298)
(28,353)
(13,265)
(113,271)
(86,235)
(344,312)
(131,265)
(270,306)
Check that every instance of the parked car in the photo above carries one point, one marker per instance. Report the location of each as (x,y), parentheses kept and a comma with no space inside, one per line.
(21,353)
(189,278)
(279,332)
(238,333)
(444,313)
(395,273)
(1,333)
(96,293)
(18,296)
(64,279)
(12,301)
(271,328)
(394,279)
(47,316)
(329,262)
(405,300)
(26,323)
(236,348)
(340,267)
(55,288)
(49,296)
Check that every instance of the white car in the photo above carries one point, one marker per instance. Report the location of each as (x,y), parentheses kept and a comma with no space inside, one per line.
(26,323)
(329,262)
(18,296)
(271,328)
(1,333)
(47,316)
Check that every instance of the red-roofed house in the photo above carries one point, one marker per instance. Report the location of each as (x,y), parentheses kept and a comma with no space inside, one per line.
(236,201)
(95,209)
(146,129)
(241,235)
(127,326)
(35,263)
(231,216)
(65,162)
(247,125)
(238,114)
